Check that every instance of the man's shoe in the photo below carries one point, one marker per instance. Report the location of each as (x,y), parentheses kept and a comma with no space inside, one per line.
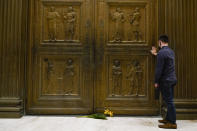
(168,126)
(163,121)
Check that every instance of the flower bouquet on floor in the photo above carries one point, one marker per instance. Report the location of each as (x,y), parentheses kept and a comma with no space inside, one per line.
(103,116)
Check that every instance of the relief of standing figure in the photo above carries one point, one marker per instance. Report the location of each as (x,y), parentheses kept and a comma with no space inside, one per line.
(52,18)
(116,78)
(69,77)
(135,78)
(135,22)
(118,18)
(50,76)
(70,19)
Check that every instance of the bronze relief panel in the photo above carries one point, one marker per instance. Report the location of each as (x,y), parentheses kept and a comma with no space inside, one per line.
(127,76)
(127,23)
(61,23)
(60,75)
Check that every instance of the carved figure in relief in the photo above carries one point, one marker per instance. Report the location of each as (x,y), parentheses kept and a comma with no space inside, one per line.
(135,78)
(118,18)
(135,22)
(116,78)
(70,18)
(69,77)
(52,18)
(50,68)
(50,75)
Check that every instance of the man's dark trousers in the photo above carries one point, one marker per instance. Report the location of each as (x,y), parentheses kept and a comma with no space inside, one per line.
(167,91)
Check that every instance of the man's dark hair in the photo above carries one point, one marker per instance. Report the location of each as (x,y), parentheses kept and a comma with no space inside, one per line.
(163,38)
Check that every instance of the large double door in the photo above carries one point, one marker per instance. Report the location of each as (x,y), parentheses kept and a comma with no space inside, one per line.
(87,55)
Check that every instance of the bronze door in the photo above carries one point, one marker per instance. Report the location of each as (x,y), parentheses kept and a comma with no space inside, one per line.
(60,57)
(124,66)
(87,55)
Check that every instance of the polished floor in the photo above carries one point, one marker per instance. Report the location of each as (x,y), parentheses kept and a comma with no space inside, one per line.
(73,123)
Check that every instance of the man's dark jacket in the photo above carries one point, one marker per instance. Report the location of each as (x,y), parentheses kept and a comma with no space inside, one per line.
(165,68)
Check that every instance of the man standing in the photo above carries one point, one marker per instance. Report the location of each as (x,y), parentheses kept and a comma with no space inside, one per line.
(165,80)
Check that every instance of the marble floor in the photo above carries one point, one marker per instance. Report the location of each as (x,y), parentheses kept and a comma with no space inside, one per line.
(73,123)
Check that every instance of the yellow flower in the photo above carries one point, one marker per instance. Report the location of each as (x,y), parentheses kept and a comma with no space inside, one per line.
(110,113)
(106,111)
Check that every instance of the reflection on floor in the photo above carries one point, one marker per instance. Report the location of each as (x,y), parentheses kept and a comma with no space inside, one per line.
(72,123)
